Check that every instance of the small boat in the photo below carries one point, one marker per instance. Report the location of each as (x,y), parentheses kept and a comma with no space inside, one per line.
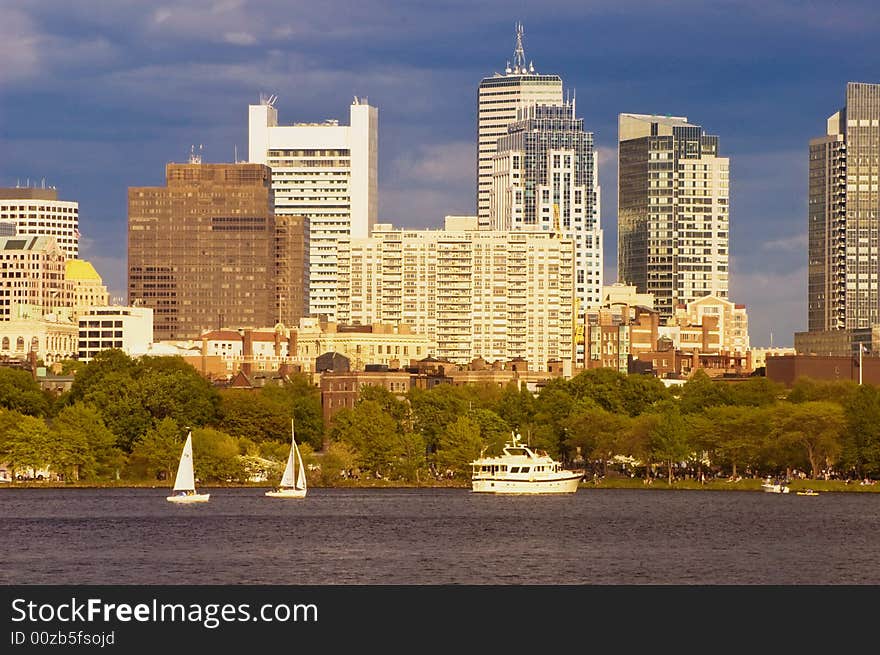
(772,487)
(521,470)
(807,492)
(185,483)
(293,482)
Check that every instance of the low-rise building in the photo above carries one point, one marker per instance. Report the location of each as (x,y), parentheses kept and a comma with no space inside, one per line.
(127,328)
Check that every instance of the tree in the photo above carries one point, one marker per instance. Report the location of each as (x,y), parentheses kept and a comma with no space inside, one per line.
(159,449)
(434,409)
(300,399)
(20,392)
(25,442)
(668,438)
(815,427)
(860,444)
(636,440)
(732,435)
(700,392)
(516,406)
(86,447)
(215,456)
(336,460)
(642,392)
(372,434)
(596,433)
(460,444)
(755,392)
(171,388)
(256,415)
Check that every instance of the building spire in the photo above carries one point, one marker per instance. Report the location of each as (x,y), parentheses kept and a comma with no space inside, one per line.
(519,55)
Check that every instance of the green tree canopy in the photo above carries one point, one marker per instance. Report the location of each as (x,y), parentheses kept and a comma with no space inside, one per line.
(21,393)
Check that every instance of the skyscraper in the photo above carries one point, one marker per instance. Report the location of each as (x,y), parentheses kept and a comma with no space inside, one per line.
(546,178)
(38,212)
(844,216)
(499,99)
(202,249)
(326,173)
(673,197)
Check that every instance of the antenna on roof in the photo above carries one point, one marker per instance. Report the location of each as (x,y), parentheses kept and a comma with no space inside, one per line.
(519,55)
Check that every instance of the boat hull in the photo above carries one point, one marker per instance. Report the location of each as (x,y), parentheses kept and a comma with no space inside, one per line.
(774,489)
(562,485)
(186,500)
(287,493)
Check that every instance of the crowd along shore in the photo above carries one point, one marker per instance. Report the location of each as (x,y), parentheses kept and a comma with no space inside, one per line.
(622,482)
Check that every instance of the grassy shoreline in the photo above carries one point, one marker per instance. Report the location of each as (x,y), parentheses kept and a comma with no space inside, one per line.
(745,484)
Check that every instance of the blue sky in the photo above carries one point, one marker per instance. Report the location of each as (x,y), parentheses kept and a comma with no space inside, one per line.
(96,97)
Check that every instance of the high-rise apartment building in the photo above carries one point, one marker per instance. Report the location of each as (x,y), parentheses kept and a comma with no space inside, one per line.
(545,178)
(476,293)
(38,212)
(499,99)
(673,210)
(327,173)
(202,249)
(844,216)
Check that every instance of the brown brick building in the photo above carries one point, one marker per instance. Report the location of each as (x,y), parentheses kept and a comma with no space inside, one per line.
(204,251)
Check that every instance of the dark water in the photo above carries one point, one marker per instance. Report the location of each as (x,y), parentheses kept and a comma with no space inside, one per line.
(449,536)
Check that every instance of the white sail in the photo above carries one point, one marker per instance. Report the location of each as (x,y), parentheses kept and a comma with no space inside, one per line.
(288,479)
(185,480)
(294,473)
(301,471)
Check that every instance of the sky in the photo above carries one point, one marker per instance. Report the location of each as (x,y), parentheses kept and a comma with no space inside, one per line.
(96,97)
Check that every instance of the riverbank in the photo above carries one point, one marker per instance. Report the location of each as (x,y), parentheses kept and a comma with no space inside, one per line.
(656,484)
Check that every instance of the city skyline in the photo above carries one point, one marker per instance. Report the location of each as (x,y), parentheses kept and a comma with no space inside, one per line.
(94,101)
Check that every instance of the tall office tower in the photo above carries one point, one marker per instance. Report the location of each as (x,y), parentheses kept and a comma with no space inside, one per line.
(546,178)
(327,173)
(38,212)
(673,201)
(201,250)
(291,268)
(499,99)
(475,293)
(844,216)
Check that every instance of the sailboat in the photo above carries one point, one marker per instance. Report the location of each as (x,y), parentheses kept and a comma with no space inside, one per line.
(185,483)
(293,482)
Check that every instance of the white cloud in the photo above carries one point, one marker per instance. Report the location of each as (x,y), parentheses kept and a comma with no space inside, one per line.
(793,242)
(239,38)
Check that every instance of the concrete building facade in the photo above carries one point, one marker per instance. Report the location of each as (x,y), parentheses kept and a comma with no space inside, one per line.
(32,279)
(327,173)
(103,328)
(39,212)
(475,293)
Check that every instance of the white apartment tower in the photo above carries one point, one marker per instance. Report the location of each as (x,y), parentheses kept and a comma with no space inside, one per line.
(475,293)
(546,178)
(38,212)
(673,201)
(500,98)
(327,173)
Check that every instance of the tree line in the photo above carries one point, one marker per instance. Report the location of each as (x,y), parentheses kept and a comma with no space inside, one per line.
(126,418)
